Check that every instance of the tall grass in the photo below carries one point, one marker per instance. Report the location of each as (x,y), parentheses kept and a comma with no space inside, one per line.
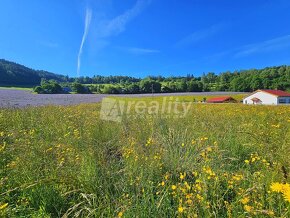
(218,161)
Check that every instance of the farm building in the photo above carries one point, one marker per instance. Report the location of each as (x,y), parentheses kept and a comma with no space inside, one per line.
(225,99)
(267,96)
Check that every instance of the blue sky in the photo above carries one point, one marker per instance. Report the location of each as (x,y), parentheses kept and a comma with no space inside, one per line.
(145,37)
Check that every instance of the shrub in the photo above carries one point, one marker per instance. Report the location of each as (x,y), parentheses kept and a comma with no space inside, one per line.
(110,90)
(49,87)
(38,90)
(80,89)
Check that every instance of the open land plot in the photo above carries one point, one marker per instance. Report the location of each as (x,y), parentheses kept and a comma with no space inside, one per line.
(217,161)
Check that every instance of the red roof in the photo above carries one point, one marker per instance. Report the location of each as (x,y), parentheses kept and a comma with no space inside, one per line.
(219,99)
(278,93)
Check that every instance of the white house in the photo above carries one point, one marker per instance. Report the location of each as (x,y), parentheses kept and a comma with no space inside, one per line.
(267,96)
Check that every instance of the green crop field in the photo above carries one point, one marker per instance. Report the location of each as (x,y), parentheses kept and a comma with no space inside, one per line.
(184,98)
(17,88)
(219,160)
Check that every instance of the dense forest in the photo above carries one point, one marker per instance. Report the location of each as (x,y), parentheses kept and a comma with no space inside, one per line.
(13,74)
(245,80)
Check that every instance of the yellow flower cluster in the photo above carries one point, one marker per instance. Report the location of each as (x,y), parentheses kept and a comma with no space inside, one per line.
(149,142)
(255,158)
(2,147)
(63,153)
(281,188)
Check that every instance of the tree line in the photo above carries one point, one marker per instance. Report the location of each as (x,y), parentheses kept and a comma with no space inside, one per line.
(238,81)
(243,81)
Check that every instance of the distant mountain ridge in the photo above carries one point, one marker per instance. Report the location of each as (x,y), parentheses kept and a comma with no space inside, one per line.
(13,74)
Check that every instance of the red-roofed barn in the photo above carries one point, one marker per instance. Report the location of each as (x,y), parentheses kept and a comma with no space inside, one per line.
(268,96)
(224,99)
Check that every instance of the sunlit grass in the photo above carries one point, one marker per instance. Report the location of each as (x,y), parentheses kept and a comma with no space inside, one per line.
(17,88)
(185,98)
(217,161)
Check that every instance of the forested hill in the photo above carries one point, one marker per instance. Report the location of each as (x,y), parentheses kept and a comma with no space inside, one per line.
(13,74)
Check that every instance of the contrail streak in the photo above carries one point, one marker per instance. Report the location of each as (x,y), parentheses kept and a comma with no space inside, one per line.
(87,26)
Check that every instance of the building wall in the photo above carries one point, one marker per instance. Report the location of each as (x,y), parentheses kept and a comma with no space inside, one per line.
(263,96)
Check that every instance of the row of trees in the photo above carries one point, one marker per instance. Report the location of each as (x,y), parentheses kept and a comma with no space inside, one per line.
(238,81)
(243,81)
(52,87)
(144,86)
(148,86)
(248,80)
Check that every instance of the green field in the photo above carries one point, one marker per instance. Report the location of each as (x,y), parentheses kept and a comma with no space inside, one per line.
(184,98)
(219,160)
(16,88)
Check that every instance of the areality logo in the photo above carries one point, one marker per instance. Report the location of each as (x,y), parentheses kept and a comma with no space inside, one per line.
(112,109)
(115,109)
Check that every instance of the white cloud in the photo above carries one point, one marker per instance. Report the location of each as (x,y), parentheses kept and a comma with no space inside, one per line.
(200,35)
(139,51)
(118,24)
(272,45)
(86,31)
(106,28)
(265,46)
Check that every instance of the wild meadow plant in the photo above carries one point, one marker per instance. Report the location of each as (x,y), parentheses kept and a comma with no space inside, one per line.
(226,160)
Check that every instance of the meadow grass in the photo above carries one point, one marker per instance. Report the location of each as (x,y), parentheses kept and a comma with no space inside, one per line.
(224,160)
(17,88)
(182,98)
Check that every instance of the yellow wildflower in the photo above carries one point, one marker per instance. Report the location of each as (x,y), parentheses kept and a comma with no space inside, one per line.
(49,149)
(182,176)
(198,187)
(149,142)
(120,214)
(2,147)
(245,200)
(199,197)
(276,187)
(187,186)
(248,208)
(286,195)
(166,177)
(180,209)
(237,177)
(162,183)
(209,149)
(189,201)
(286,188)
(202,154)
(3,206)
(247,161)
(173,187)
(188,196)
